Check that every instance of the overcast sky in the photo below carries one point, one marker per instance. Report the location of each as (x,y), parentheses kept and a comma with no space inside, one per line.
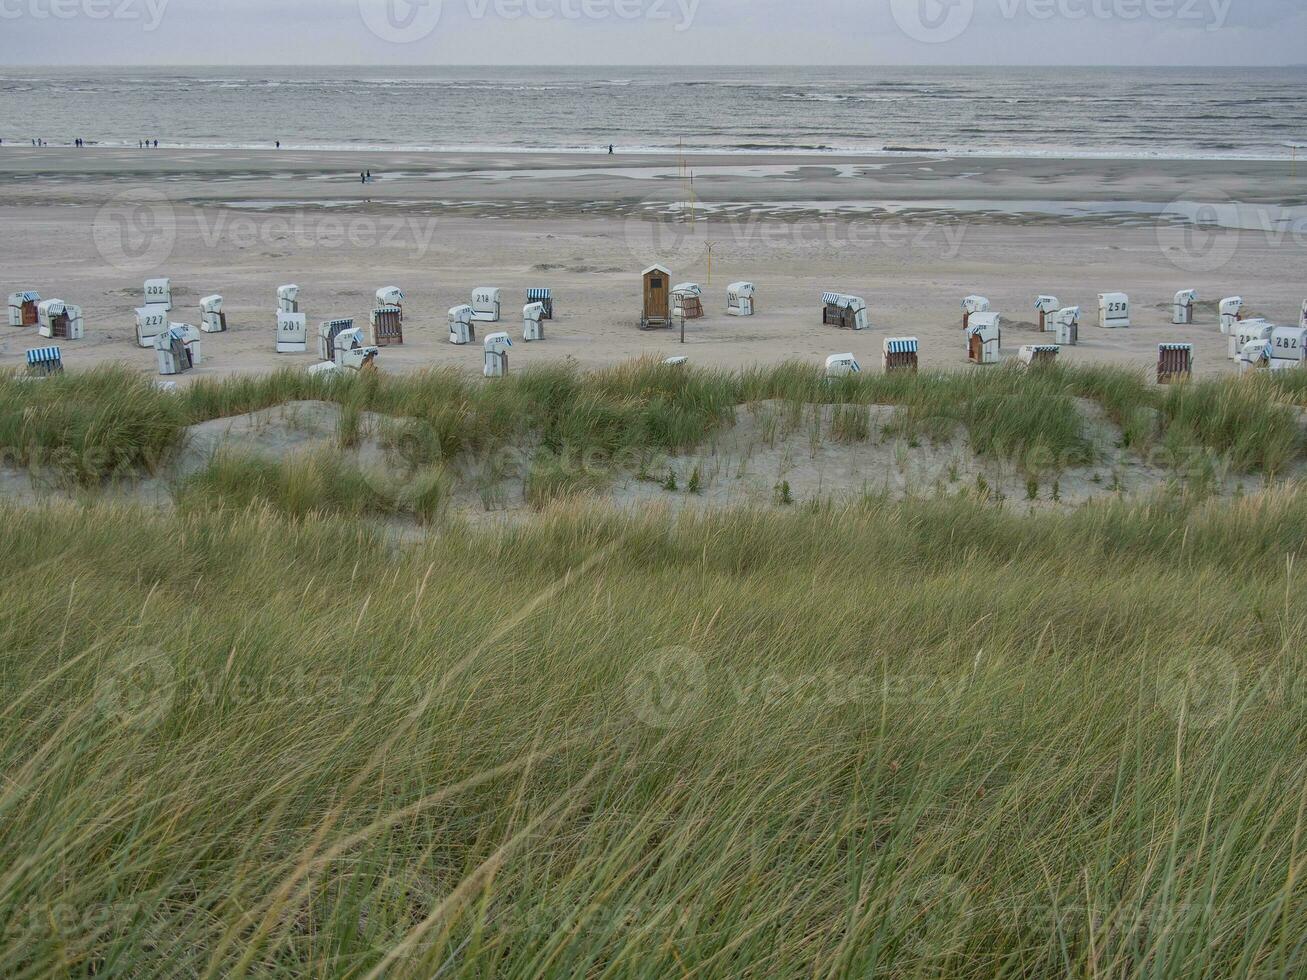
(1240,33)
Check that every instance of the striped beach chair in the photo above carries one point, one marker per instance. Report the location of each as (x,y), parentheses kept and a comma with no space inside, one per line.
(387,324)
(840,310)
(900,353)
(1175,362)
(1035,355)
(328,331)
(545,297)
(45,360)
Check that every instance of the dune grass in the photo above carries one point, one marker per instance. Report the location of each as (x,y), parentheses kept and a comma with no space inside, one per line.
(925,739)
(89,426)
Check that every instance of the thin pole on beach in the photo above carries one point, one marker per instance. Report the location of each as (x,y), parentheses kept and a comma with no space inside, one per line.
(711,245)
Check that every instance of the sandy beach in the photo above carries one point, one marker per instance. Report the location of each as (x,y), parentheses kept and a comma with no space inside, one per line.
(912,234)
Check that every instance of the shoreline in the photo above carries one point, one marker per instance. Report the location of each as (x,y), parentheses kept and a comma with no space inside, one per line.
(910,234)
(1051,154)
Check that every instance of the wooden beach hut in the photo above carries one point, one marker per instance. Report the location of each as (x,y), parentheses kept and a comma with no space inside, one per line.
(657,298)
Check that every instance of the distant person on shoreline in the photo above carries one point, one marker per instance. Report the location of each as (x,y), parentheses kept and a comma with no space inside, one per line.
(279,144)
(369,176)
(610,149)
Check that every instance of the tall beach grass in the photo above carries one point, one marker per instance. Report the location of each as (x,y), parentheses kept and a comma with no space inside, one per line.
(925,739)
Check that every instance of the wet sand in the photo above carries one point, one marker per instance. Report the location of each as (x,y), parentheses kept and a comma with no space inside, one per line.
(912,235)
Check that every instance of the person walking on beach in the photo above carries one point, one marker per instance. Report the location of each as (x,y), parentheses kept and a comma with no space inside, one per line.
(610,149)
(369,176)
(279,144)
(363,178)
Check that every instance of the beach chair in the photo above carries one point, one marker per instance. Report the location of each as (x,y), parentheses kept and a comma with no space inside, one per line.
(1113,310)
(212,319)
(842,365)
(1288,347)
(23,308)
(352,352)
(970,305)
(1182,307)
(1248,331)
(740,299)
(545,297)
(288,299)
(292,333)
(532,327)
(178,349)
(158,292)
(391,296)
(59,320)
(1066,326)
(496,355)
(150,322)
(461,330)
(328,330)
(1255,356)
(1231,313)
(1038,355)
(485,304)
(984,338)
(899,354)
(1046,306)
(1175,362)
(43,361)
(387,326)
(841,310)
(686,301)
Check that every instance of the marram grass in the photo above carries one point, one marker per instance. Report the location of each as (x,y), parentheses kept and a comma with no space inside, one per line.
(925,739)
(89,426)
